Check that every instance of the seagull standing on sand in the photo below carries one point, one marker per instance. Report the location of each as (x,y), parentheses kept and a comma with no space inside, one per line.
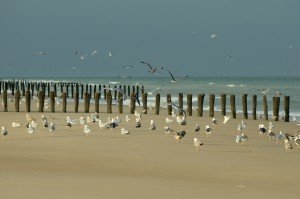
(30,129)
(179,135)
(15,124)
(127,119)
(4,132)
(168,120)
(214,121)
(280,136)
(197,143)
(44,121)
(51,128)
(138,123)
(86,129)
(124,131)
(167,130)
(208,130)
(288,146)
(197,128)
(262,129)
(152,125)
(226,119)
(271,135)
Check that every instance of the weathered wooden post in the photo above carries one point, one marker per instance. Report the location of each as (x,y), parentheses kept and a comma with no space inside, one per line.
(120,102)
(232,106)
(100,91)
(115,93)
(180,103)
(104,91)
(97,98)
(28,100)
(169,101)
(128,90)
(109,101)
(189,104)
(254,106)
(55,90)
(67,90)
(81,91)
(132,103)
(157,103)
(138,92)
(41,96)
(64,102)
(144,99)
(265,107)
(286,108)
(32,89)
(76,102)
(5,100)
(87,97)
(143,89)
(17,101)
(13,88)
(223,104)
(276,104)
(0,87)
(90,90)
(211,105)
(72,90)
(52,101)
(95,91)
(87,88)
(61,88)
(245,109)
(200,104)
(48,89)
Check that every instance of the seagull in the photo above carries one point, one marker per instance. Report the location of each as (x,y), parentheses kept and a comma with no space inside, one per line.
(30,129)
(197,143)
(82,121)
(102,125)
(240,128)
(214,121)
(94,52)
(138,123)
(51,128)
(15,124)
(109,54)
(280,136)
(151,69)
(173,79)
(243,125)
(41,53)
(197,128)
(208,130)
(179,135)
(294,119)
(151,92)
(262,129)
(34,124)
(297,140)
(181,120)
(174,114)
(271,135)
(168,120)
(44,121)
(167,130)
(127,67)
(288,146)
(127,119)
(137,114)
(152,125)
(124,131)
(29,118)
(4,132)
(213,35)
(271,126)
(86,129)
(226,119)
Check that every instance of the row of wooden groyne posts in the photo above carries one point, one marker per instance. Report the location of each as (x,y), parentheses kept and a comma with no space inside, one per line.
(87,91)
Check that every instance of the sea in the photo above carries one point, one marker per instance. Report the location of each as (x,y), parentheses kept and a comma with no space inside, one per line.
(269,86)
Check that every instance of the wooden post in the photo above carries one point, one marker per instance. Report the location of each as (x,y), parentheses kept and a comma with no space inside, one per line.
(52,101)
(138,92)
(265,107)
(28,100)
(232,106)
(90,92)
(200,104)
(104,91)
(17,101)
(67,90)
(76,102)
(115,93)
(169,101)
(254,106)
(157,103)
(32,89)
(287,108)
(276,104)
(72,90)
(64,101)
(13,88)
(211,105)
(180,103)
(109,101)
(97,97)
(61,88)
(120,102)
(143,89)
(245,110)
(100,91)
(144,99)
(0,87)
(41,95)
(5,100)
(87,97)
(132,103)
(223,104)
(48,89)
(95,91)
(81,91)
(128,90)
(189,104)
(87,88)
(55,90)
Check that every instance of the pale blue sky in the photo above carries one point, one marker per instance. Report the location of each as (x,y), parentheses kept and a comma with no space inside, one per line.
(262,36)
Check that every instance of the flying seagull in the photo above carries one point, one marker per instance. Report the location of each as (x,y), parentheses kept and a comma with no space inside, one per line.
(151,69)
(173,79)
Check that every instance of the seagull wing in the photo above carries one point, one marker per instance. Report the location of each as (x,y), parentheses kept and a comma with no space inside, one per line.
(173,79)
(147,64)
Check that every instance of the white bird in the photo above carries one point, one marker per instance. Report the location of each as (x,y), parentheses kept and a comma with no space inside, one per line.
(29,118)
(288,146)
(297,140)
(271,126)
(239,128)
(86,129)
(30,129)
(151,92)
(226,119)
(181,120)
(179,135)
(294,119)
(4,132)
(244,137)
(280,136)
(213,35)
(82,121)
(137,114)
(262,129)
(51,128)
(197,128)
(197,143)
(94,52)
(271,135)
(138,123)
(174,114)
(70,122)
(44,121)
(124,131)
(238,139)
(214,121)
(109,53)
(167,130)
(15,124)
(152,125)
(168,120)
(243,125)
(127,119)
(208,130)
(102,125)
(34,124)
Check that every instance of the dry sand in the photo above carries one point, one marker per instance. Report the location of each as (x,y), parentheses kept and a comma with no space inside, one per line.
(144,164)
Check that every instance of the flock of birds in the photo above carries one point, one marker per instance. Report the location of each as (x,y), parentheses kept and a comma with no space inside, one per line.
(113,123)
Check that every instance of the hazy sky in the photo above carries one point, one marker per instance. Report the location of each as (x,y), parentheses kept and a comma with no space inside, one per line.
(261,36)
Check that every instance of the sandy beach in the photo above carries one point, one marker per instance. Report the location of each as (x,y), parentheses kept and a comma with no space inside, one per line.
(145,163)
